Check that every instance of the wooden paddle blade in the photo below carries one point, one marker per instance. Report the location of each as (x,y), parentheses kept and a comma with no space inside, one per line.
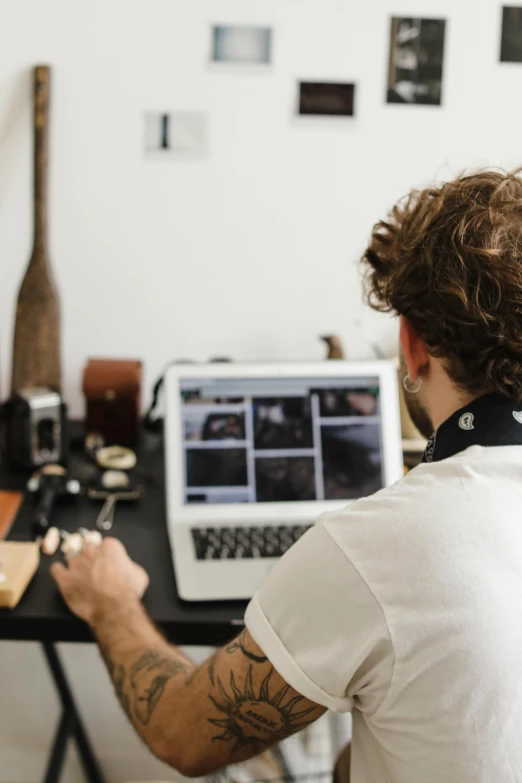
(36,350)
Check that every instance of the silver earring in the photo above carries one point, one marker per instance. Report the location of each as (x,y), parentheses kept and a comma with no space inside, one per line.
(409,389)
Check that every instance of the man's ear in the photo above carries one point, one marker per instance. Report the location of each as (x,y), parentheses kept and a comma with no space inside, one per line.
(414,349)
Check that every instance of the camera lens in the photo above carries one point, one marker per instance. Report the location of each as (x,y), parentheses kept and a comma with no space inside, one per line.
(46,436)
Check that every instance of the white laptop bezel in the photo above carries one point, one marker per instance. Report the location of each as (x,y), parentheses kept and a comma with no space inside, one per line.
(178,512)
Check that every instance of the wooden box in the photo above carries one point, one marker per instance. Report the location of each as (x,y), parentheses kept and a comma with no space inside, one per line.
(112,389)
(19,563)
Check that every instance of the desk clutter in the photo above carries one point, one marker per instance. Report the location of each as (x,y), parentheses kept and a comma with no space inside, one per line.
(46,489)
(102,477)
(53,484)
(73,543)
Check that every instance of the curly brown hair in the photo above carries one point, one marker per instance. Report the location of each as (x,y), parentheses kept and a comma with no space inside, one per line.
(449,259)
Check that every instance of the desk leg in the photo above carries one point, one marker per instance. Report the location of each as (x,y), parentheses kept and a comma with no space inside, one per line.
(70,726)
(56,760)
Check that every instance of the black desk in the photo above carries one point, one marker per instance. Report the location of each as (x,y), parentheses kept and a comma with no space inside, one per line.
(42,616)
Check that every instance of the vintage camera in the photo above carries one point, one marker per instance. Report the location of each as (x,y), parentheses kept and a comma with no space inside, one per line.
(35,429)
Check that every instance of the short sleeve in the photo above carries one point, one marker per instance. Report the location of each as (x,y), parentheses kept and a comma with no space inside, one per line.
(321,627)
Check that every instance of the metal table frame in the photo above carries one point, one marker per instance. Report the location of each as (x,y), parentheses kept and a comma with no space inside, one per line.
(70,727)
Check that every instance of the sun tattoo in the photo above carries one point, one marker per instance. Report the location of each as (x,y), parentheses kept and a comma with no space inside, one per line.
(256,719)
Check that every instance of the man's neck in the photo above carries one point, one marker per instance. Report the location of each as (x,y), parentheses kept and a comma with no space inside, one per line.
(446,402)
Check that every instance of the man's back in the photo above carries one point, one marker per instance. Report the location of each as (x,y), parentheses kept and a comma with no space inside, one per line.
(422,632)
(406,607)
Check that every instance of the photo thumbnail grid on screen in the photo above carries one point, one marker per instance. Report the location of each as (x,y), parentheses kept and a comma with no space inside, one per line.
(273,440)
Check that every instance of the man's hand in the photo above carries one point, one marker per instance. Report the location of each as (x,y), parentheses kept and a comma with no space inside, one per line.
(99,578)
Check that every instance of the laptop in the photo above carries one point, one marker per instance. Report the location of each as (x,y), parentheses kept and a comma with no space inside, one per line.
(256,452)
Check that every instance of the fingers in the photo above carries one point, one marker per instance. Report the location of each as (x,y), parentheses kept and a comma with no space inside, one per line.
(142,580)
(89,550)
(101,568)
(114,551)
(144,575)
(110,546)
(114,546)
(59,573)
(76,560)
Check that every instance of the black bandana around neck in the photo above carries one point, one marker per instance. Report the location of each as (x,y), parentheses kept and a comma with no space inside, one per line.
(491,420)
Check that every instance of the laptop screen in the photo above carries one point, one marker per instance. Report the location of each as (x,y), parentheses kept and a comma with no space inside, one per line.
(258,440)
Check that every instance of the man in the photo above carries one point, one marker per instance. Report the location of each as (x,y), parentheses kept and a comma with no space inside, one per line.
(406,607)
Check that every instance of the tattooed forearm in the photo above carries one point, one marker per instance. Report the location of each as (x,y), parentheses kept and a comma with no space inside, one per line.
(109,663)
(117,675)
(148,678)
(240,644)
(212,669)
(256,718)
(118,678)
(199,719)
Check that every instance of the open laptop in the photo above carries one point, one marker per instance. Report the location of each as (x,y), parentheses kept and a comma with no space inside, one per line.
(256,452)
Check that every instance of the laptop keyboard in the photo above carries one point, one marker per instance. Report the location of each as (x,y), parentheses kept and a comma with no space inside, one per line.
(239,543)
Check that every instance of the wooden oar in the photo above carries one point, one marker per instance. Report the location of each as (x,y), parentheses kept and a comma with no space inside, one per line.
(36,350)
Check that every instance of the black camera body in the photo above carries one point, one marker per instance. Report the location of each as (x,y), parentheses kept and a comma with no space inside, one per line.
(35,429)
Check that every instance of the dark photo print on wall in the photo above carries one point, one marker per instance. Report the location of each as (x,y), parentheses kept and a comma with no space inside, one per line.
(326,99)
(416,61)
(511,44)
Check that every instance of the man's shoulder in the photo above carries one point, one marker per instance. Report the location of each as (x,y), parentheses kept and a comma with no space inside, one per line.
(410,507)
(425,478)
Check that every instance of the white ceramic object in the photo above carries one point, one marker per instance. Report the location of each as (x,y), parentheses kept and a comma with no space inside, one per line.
(93,537)
(51,541)
(72,545)
(115,479)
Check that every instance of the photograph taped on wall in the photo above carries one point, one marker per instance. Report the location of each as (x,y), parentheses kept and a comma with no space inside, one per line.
(416,61)
(243,45)
(326,99)
(176,134)
(511,43)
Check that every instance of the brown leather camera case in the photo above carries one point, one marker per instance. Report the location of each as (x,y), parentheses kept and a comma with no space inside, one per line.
(112,388)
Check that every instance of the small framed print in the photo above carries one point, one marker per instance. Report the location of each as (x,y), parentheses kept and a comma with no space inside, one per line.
(241,45)
(416,61)
(176,134)
(511,43)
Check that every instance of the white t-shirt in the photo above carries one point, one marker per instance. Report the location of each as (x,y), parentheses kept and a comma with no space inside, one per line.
(406,607)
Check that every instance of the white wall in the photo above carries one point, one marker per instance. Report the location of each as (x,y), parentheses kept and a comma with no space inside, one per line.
(250,253)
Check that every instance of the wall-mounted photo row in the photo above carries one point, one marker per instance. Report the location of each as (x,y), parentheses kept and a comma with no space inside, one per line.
(176,134)
(511,43)
(416,61)
(241,45)
(326,99)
